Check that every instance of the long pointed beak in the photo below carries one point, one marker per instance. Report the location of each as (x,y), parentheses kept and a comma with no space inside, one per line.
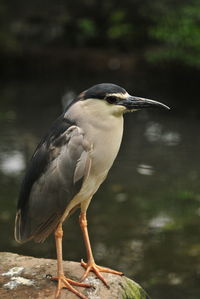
(133,102)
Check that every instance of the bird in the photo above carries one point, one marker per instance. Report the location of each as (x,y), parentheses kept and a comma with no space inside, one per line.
(69,164)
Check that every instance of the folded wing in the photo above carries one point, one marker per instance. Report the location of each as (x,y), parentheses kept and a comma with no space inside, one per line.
(54,176)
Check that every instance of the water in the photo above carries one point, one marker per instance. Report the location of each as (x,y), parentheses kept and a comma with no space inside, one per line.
(145,218)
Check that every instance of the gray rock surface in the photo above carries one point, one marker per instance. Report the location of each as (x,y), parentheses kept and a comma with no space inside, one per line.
(23,277)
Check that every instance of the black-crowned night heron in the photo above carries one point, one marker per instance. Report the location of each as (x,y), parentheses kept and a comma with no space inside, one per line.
(69,165)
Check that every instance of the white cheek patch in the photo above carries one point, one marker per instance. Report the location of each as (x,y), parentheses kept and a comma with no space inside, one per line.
(119,109)
(94,106)
(119,95)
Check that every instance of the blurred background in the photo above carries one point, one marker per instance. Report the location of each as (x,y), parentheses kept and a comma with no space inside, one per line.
(145,219)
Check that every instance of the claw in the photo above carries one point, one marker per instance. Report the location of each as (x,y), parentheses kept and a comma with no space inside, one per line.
(91,266)
(67,283)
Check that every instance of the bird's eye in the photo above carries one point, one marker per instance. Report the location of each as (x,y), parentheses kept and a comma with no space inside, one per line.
(111,99)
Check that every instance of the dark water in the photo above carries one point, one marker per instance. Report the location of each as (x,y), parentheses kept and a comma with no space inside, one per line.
(145,219)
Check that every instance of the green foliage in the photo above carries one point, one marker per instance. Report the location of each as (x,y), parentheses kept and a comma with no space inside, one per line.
(119,28)
(179,35)
(87,27)
(8,42)
(160,30)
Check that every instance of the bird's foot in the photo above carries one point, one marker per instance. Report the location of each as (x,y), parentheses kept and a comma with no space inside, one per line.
(67,283)
(91,266)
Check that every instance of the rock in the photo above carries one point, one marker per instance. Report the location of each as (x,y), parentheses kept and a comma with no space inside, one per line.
(23,277)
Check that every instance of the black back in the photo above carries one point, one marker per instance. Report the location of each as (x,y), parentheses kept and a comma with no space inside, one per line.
(40,159)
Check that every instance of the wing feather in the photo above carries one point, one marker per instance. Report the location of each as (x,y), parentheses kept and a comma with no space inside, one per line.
(55,175)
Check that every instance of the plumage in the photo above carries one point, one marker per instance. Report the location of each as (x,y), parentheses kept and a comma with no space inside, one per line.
(61,161)
(57,168)
(99,91)
(69,165)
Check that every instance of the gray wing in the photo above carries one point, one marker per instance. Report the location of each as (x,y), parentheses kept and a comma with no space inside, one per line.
(68,163)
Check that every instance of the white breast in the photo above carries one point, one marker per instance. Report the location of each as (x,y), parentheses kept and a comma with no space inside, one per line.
(102,124)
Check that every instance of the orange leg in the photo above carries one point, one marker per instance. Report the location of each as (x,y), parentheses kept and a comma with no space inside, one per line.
(91,265)
(64,282)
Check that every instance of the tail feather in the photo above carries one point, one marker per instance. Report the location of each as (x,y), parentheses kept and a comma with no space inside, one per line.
(24,232)
(19,234)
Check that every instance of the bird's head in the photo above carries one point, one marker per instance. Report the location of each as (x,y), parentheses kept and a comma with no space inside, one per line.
(117,99)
